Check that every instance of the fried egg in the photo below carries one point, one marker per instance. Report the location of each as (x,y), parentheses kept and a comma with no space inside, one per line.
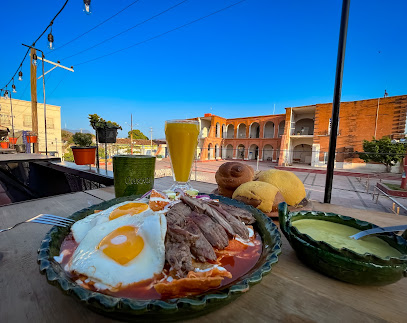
(122,251)
(81,228)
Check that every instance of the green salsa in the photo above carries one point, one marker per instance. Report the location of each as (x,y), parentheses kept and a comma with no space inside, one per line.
(337,235)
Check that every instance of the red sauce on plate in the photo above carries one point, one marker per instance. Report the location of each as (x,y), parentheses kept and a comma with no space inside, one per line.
(238,263)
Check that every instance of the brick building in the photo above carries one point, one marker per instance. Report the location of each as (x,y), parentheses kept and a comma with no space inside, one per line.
(301,135)
(307,130)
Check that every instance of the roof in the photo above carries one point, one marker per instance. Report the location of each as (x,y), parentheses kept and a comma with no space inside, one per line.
(126,141)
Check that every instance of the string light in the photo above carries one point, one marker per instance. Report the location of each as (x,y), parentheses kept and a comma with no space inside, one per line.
(14,88)
(20,74)
(51,40)
(6,94)
(35,59)
(86,7)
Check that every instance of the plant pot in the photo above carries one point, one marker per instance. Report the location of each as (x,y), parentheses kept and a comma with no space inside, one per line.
(12,140)
(32,139)
(4,144)
(84,155)
(107,135)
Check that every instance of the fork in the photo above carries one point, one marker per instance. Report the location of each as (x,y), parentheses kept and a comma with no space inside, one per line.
(46,219)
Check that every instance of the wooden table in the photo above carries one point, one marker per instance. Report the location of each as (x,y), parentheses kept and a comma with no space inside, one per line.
(290,293)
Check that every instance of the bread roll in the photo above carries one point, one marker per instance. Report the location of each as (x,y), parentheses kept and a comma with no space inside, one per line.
(287,183)
(231,175)
(261,195)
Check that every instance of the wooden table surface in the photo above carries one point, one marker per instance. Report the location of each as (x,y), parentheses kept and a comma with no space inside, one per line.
(290,293)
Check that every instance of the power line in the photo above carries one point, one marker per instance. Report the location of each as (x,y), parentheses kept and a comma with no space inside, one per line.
(164,33)
(66,75)
(124,31)
(33,44)
(93,28)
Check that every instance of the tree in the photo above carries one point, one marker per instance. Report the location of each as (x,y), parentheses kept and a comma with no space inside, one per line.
(67,136)
(383,151)
(137,134)
(68,156)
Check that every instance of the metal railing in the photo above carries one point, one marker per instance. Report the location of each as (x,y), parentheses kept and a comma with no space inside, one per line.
(396,210)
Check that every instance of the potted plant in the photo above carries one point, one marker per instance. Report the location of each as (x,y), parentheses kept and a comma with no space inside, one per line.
(32,138)
(3,144)
(83,152)
(12,140)
(106,130)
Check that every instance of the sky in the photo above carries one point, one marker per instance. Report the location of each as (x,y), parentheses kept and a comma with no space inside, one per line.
(254,58)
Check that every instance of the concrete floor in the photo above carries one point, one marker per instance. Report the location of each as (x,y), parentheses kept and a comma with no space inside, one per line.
(349,191)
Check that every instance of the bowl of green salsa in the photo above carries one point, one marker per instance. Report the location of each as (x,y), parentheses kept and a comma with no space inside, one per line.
(322,241)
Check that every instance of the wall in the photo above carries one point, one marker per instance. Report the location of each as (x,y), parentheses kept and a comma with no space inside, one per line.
(22,121)
(357,122)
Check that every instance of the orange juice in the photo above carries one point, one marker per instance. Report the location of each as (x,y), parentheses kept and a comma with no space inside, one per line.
(182,139)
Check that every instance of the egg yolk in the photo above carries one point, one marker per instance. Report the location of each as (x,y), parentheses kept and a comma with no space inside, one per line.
(122,245)
(129,208)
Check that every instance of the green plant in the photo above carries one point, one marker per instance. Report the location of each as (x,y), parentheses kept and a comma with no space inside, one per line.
(68,156)
(137,134)
(159,156)
(82,139)
(383,151)
(97,122)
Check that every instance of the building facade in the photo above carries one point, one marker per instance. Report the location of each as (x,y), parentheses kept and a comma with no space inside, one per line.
(240,138)
(301,135)
(306,138)
(21,118)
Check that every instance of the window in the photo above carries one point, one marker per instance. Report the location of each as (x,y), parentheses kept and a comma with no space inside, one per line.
(5,119)
(27,121)
(50,123)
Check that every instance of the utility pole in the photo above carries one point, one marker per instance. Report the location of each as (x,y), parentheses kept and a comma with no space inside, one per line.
(131,133)
(151,140)
(34,111)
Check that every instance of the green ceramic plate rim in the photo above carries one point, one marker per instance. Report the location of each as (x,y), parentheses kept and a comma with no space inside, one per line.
(390,238)
(55,274)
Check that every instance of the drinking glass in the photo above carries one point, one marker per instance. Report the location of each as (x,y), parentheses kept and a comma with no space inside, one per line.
(133,174)
(182,140)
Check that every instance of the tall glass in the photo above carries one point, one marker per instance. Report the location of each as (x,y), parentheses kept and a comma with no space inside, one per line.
(182,140)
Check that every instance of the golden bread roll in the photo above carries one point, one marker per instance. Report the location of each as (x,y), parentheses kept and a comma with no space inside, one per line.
(261,195)
(231,175)
(287,183)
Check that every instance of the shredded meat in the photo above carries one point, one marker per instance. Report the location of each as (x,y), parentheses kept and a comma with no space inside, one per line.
(177,214)
(203,207)
(241,214)
(201,248)
(177,250)
(236,224)
(211,230)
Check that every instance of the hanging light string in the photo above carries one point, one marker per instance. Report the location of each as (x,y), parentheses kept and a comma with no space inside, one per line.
(93,28)
(20,73)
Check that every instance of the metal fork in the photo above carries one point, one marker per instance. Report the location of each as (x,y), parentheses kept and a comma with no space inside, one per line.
(46,219)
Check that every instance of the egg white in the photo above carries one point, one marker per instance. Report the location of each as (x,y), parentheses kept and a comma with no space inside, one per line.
(104,271)
(81,228)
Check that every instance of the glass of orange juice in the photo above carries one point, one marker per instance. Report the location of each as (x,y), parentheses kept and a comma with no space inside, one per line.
(182,140)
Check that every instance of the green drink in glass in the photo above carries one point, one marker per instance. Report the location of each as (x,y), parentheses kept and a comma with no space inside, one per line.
(133,174)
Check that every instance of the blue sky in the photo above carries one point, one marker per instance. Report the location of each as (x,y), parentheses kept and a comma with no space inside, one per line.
(239,62)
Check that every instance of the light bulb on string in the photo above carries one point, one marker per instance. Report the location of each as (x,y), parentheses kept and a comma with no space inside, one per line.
(86,7)
(14,88)
(51,40)
(20,76)
(6,94)
(35,59)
